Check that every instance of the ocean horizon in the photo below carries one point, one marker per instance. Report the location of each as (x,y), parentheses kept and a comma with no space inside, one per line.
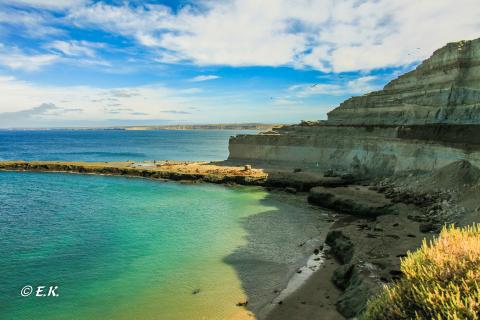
(116,145)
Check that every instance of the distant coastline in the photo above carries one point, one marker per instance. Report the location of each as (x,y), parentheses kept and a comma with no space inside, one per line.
(218,126)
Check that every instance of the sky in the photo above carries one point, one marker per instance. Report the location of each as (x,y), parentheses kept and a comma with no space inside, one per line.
(68,63)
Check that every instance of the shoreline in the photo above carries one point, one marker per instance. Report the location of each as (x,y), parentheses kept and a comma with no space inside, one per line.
(295,281)
(166,170)
(339,284)
(186,172)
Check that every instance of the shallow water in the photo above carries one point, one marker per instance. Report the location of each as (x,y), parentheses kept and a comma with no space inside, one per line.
(119,248)
(125,248)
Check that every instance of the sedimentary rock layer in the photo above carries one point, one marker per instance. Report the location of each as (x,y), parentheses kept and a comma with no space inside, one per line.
(443,89)
(361,149)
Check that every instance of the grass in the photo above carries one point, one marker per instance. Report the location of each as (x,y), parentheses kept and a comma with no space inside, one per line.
(441,281)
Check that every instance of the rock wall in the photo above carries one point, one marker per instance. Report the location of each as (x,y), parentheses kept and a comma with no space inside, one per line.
(372,150)
(423,120)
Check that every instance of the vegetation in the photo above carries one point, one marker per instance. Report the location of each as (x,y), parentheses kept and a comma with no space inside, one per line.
(441,281)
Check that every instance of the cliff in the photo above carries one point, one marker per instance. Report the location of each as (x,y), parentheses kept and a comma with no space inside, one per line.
(443,89)
(423,120)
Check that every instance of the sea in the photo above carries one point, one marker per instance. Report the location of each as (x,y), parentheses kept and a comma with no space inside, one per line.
(78,246)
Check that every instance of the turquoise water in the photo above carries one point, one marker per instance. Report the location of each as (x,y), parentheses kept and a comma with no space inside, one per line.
(120,248)
(115,145)
(125,248)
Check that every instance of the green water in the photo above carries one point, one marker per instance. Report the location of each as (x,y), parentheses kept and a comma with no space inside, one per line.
(120,248)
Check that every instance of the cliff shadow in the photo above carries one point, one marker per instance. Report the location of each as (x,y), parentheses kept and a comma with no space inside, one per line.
(278,242)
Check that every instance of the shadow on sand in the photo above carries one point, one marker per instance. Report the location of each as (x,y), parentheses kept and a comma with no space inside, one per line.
(278,243)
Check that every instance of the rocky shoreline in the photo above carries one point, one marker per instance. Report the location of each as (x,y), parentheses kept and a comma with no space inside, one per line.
(377,221)
(167,170)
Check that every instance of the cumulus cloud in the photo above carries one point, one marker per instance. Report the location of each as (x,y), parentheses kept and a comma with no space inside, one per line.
(325,35)
(204,78)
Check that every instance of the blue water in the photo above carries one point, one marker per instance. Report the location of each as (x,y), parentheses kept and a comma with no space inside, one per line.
(130,248)
(119,248)
(115,145)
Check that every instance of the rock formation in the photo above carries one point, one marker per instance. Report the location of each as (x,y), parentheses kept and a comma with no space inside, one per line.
(424,120)
(443,89)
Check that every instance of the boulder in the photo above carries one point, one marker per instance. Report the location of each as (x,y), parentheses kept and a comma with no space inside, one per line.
(340,245)
(360,283)
(366,203)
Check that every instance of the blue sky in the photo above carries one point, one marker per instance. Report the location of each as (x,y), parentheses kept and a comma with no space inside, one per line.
(98,63)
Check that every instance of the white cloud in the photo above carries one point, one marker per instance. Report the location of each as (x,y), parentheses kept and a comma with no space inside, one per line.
(14,58)
(204,78)
(26,104)
(49,4)
(284,101)
(325,35)
(33,24)
(75,48)
(352,87)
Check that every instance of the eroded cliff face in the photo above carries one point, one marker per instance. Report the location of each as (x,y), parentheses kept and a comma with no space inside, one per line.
(423,120)
(444,89)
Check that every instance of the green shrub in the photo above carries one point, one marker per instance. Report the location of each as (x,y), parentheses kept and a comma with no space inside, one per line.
(441,281)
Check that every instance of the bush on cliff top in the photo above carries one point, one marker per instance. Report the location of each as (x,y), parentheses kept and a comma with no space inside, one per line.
(441,281)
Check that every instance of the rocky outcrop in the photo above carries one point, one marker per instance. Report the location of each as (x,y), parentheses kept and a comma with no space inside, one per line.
(121,169)
(422,121)
(356,201)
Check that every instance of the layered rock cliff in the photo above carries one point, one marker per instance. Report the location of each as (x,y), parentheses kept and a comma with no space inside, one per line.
(423,120)
(443,89)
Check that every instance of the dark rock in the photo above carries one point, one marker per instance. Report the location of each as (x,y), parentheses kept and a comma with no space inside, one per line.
(417,218)
(196,291)
(363,226)
(340,246)
(341,276)
(242,304)
(426,227)
(329,200)
(297,170)
(393,236)
(360,284)
(396,273)
(330,174)
(290,190)
(316,251)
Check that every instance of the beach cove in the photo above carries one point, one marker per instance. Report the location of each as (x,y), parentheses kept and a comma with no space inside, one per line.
(107,239)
